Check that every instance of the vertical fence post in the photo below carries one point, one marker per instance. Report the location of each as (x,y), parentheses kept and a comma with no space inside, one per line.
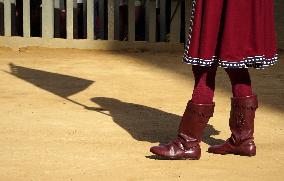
(47,18)
(7,18)
(90,19)
(131,20)
(26,19)
(69,18)
(111,19)
(150,31)
(176,21)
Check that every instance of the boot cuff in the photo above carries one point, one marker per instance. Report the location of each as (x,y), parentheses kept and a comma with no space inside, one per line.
(204,110)
(248,102)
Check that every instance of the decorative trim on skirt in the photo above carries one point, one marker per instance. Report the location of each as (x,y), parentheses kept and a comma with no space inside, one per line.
(258,62)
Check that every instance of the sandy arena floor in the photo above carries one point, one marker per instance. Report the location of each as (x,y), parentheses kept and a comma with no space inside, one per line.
(92,115)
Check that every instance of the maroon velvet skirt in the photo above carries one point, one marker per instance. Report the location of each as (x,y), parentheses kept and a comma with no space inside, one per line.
(232,34)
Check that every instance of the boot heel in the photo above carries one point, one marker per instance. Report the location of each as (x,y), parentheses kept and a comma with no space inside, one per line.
(248,150)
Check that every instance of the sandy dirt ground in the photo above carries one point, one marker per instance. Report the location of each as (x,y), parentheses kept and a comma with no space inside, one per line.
(93,115)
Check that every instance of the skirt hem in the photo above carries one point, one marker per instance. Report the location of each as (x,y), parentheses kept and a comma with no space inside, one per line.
(257,62)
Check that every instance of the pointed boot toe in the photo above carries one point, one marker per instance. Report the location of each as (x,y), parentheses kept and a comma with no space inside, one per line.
(157,150)
(167,151)
(177,150)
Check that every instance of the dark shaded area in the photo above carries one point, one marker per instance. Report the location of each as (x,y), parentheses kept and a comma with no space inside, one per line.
(279,16)
(141,122)
(57,84)
(13,20)
(1,19)
(148,124)
(60,23)
(36,18)
(19,18)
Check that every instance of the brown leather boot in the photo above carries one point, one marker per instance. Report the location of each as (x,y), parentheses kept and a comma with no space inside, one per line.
(242,127)
(186,145)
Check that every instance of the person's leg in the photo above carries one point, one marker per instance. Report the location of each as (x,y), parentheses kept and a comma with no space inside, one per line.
(241,82)
(204,87)
(194,120)
(243,107)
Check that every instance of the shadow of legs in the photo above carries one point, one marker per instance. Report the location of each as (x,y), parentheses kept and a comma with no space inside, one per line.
(146,123)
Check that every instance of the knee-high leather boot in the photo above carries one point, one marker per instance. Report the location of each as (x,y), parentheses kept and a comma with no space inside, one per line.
(241,124)
(186,145)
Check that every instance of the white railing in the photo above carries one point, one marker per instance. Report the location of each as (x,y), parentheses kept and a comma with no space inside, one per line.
(49,22)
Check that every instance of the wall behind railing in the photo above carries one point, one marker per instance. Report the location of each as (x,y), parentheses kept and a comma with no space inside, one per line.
(162,21)
(279,16)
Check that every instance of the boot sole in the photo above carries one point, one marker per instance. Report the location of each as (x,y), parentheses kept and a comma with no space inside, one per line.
(162,157)
(239,154)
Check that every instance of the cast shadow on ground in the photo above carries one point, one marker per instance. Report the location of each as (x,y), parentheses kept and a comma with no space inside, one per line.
(57,84)
(148,124)
(141,122)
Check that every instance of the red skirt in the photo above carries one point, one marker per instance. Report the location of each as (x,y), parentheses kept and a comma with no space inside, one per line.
(232,34)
